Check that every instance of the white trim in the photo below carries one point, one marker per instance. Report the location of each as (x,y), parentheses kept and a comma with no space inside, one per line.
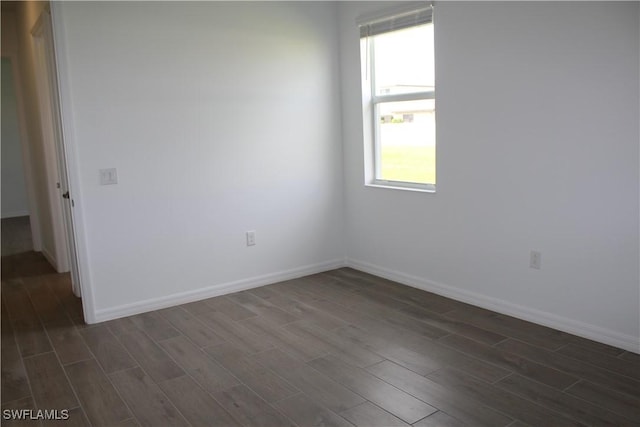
(401,185)
(14,214)
(73,163)
(402,97)
(49,132)
(571,326)
(213,291)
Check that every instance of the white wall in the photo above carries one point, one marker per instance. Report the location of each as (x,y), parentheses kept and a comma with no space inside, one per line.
(14,193)
(226,117)
(220,118)
(537,122)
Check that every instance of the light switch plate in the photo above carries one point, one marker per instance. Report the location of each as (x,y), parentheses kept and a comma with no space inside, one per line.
(108,176)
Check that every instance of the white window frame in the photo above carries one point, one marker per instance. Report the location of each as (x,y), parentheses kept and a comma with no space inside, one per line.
(390,20)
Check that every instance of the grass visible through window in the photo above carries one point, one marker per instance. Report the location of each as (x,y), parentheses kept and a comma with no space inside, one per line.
(407,144)
(407,163)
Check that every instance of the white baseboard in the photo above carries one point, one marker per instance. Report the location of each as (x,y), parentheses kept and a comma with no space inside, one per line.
(49,257)
(585,330)
(14,214)
(212,291)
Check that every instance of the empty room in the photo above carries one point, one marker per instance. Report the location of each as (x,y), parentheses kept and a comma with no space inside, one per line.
(320,213)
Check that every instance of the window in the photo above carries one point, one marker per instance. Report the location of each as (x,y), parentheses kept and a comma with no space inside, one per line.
(398,75)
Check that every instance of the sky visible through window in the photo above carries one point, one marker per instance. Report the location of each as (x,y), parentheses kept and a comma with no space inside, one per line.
(405,59)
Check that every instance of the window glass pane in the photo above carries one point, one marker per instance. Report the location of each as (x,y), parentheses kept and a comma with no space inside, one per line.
(403,61)
(407,141)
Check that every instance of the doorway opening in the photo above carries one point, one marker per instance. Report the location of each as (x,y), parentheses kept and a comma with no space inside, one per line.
(37,238)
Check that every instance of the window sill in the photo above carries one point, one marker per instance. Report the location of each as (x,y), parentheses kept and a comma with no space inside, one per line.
(392,185)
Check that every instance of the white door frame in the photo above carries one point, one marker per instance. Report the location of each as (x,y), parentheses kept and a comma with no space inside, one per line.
(73,161)
(53,140)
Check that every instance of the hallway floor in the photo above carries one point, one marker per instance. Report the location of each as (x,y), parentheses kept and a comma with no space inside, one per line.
(16,235)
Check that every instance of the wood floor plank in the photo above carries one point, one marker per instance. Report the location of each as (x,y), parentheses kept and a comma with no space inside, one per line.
(396,318)
(156,363)
(17,300)
(261,380)
(631,357)
(420,355)
(14,384)
(350,278)
(121,326)
(76,418)
(261,307)
(442,323)
(422,363)
(333,291)
(30,336)
(564,403)
(15,417)
(623,404)
(294,289)
(60,285)
(461,407)
(149,404)
(605,361)
(268,294)
(24,264)
(595,346)
(197,307)
(370,415)
(574,367)
(337,345)
(503,401)
(154,326)
(131,422)
(511,327)
(4,313)
(101,402)
(49,384)
(44,300)
(510,361)
(191,327)
(320,388)
(195,404)
(389,398)
(67,341)
(426,300)
(109,352)
(304,412)
(336,310)
(205,371)
(229,308)
(249,409)
(300,347)
(439,419)
(235,332)
(298,308)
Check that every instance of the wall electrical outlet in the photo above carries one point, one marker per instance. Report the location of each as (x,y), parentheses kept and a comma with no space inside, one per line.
(535,260)
(251,238)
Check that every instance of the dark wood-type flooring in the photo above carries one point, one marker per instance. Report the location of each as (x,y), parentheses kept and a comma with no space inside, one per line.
(16,235)
(340,348)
